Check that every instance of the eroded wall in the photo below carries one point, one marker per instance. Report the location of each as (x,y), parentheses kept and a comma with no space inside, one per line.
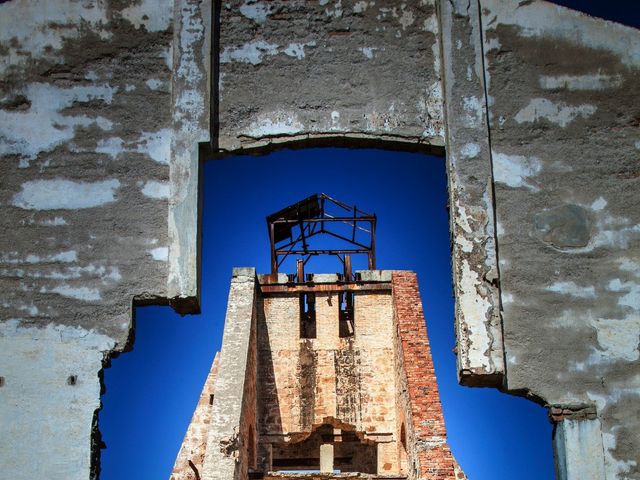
(305,382)
(102,105)
(85,117)
(563,112)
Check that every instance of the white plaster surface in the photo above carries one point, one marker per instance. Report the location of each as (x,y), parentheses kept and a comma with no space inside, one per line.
(572,289)
(595,81)
(44,126)
(153,15)
(275,123)
(38,406)
(258,11)
(559,113)
(155,189)
(59,194)
(516,171)
(160,254)
(579,450)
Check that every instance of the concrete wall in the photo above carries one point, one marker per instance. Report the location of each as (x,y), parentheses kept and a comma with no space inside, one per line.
(104,107)
(563,114)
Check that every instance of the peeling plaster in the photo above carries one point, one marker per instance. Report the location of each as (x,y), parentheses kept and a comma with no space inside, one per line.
(276,123)
(85,294)
(153,15)
(368,51)
(36,39)
(470,150)
(155,189)
(596,81)
(249,53)
(476,310)
(256,11)
(571,289)
(65,194)
(559,113)
(297,49)
(44,126)
(160,254)
(516,170)
(67,256)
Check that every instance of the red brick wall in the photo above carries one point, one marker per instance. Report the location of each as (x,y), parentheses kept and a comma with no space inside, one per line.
(429,455)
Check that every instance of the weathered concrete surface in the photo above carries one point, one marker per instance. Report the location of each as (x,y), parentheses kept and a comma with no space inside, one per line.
(191,102)
(475,267)
(84,141)
(48,400)
(564,116)
(233,413)
(298,70)
(578,450)
(85,147)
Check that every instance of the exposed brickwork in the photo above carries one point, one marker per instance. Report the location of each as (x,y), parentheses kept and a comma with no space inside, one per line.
(557,413)
(372,395)
(426,433)
(191,455)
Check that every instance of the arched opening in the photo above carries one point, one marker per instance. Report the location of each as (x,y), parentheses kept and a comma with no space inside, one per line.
(172,352)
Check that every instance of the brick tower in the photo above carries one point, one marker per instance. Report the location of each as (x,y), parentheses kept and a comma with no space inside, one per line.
(320,376)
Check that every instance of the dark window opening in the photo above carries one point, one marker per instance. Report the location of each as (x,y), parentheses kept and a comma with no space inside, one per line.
(307,315)
(346,317)
(350,452)
(211,399)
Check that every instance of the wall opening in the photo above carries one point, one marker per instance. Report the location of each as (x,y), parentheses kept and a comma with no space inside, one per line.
(346,316)
(308,315)
(152,391)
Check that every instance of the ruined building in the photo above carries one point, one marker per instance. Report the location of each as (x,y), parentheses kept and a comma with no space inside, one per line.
(320,372)
(108,108)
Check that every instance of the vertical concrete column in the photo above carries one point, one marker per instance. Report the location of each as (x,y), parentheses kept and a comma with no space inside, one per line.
(326,458)
(475,264)
(190,114)
(226,457)
(579,450)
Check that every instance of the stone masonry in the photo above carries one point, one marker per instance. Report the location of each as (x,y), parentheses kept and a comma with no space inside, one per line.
(368,397)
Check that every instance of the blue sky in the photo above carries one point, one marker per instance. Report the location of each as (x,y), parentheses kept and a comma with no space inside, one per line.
(152,391)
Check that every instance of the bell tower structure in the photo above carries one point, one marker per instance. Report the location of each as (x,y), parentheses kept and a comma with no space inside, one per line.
(320,376)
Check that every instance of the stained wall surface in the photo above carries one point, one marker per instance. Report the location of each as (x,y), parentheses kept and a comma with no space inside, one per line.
(563,117)
(104,108)
(305,382)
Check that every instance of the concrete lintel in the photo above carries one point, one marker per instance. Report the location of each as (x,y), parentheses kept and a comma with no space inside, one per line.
(475,266)
(190,114)
(374,275)
(578,450)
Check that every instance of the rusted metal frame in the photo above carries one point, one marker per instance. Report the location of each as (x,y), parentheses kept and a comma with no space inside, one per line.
(345,220)
(323,252)
(347,240)
(274,257)
(372,253)
(343,205)
(325,287)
